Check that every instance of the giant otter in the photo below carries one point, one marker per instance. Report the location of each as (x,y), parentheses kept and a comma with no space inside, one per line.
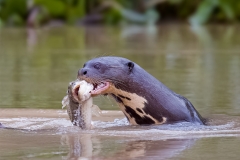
(142,98)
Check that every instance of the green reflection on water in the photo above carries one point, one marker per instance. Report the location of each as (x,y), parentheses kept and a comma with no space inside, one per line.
(200,63)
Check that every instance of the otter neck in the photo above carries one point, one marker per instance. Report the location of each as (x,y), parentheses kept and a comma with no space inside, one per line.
(132,105)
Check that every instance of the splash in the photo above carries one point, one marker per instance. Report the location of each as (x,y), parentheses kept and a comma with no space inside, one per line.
(115,126)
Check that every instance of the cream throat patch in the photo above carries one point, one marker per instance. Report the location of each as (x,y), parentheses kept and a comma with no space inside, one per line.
(132,105)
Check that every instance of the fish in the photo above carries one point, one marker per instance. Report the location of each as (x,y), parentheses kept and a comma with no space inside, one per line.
(79,104)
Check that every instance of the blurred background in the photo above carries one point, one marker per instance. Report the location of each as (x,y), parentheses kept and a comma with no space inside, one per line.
(35,13)
(191,46)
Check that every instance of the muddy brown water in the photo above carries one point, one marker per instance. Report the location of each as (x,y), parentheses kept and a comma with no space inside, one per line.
(202,64)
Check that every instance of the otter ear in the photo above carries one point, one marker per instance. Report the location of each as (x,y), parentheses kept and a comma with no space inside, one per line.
(130,66)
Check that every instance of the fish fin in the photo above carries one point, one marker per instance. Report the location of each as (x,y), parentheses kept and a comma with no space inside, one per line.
(96,111)
(65,101)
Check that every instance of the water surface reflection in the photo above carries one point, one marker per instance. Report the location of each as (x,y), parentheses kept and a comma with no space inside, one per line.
(202,64)
(103,147)
(45,133)
(199,63)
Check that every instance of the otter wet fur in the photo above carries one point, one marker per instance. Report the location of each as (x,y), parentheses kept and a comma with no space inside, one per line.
(142,98)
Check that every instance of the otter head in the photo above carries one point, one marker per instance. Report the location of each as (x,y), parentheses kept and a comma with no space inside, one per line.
(126,82)
(106,74)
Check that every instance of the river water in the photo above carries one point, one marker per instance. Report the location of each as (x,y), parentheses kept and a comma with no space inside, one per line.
(202,64)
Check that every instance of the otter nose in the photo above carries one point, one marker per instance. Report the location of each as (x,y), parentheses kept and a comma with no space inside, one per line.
(82,72)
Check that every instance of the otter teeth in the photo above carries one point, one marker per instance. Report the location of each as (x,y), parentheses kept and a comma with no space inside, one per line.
(100,86)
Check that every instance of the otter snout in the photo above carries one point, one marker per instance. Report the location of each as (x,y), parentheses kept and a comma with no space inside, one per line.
(82,72)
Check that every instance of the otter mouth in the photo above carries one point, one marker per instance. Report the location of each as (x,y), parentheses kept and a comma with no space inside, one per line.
(100,88)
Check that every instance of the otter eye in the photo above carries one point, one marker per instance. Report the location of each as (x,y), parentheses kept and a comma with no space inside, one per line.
(97,66)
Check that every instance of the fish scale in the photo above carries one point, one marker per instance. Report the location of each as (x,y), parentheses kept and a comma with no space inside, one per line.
(79,108)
